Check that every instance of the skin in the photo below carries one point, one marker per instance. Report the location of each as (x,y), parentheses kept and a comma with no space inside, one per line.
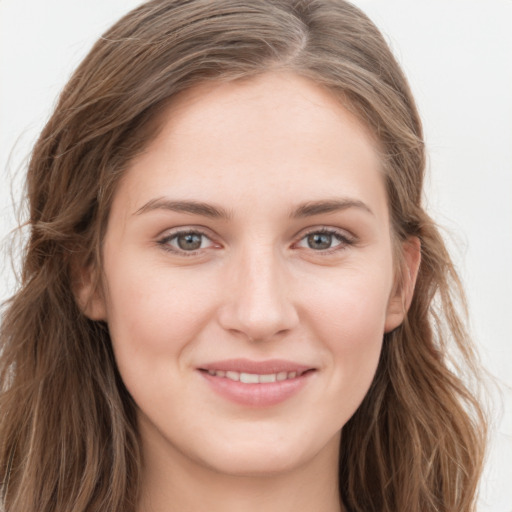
(256,289)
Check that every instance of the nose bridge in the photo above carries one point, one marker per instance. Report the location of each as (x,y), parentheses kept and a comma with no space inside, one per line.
(258,302)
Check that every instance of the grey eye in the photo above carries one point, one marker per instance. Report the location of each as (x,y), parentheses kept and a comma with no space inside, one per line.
(189,241)
(319,241)
(324,240)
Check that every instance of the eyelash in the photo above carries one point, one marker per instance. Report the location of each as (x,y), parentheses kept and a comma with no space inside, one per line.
(165,241)
(345,241)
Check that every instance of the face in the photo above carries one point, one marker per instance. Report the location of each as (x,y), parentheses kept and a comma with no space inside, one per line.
(248,276)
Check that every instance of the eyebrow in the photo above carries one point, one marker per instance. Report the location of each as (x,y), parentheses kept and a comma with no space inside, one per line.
(308,209)
(312,208)
(192,207)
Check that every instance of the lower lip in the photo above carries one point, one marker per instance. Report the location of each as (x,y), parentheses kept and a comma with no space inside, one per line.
(257,395)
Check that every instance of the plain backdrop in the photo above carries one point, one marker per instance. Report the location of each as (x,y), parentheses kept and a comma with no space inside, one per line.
(458,57)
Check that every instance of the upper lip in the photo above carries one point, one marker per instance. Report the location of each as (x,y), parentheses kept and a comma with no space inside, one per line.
(266,367)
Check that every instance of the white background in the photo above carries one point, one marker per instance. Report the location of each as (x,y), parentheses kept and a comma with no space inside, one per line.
(458,57)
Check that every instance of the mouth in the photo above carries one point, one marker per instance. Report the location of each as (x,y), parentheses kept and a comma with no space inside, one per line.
(256,378)
(256,383)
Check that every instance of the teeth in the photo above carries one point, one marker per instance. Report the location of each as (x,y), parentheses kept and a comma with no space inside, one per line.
(254,378)
(249,378)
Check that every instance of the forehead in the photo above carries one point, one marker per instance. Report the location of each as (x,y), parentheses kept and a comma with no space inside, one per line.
(270,106)
(276,136)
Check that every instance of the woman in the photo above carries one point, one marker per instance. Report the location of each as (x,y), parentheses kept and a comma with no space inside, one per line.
(231,293)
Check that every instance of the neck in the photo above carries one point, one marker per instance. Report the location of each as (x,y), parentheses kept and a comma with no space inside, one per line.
(171,482)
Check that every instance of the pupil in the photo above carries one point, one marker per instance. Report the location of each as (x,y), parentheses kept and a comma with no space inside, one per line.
(189,242)
(319,241)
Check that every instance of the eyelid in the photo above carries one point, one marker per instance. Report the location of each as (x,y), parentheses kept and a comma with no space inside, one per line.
(345,237)
(169,234)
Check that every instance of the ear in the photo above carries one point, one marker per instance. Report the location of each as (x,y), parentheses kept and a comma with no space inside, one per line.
(405,281)
(88,294)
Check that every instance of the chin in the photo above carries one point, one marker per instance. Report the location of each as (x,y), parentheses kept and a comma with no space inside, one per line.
(265,454)
(254,461)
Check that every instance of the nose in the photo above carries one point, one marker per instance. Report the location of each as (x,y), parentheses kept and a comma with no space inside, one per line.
(257,302)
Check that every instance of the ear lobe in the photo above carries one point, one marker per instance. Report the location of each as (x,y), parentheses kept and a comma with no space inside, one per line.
(88,295)
(405,281)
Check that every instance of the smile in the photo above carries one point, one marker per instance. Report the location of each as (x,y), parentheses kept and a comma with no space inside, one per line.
(256,383)
(255,378)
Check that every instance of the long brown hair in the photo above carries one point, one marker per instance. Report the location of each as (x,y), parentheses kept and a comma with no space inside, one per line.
(68,435)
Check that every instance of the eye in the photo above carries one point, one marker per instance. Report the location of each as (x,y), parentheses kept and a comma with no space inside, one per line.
(324,240)
(186,242)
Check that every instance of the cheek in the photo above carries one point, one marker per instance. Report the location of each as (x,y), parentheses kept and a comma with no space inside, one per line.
(348,316)
(349,306)
(153,313)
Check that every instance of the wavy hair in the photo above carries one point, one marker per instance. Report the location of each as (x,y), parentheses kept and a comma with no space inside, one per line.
(68,432)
